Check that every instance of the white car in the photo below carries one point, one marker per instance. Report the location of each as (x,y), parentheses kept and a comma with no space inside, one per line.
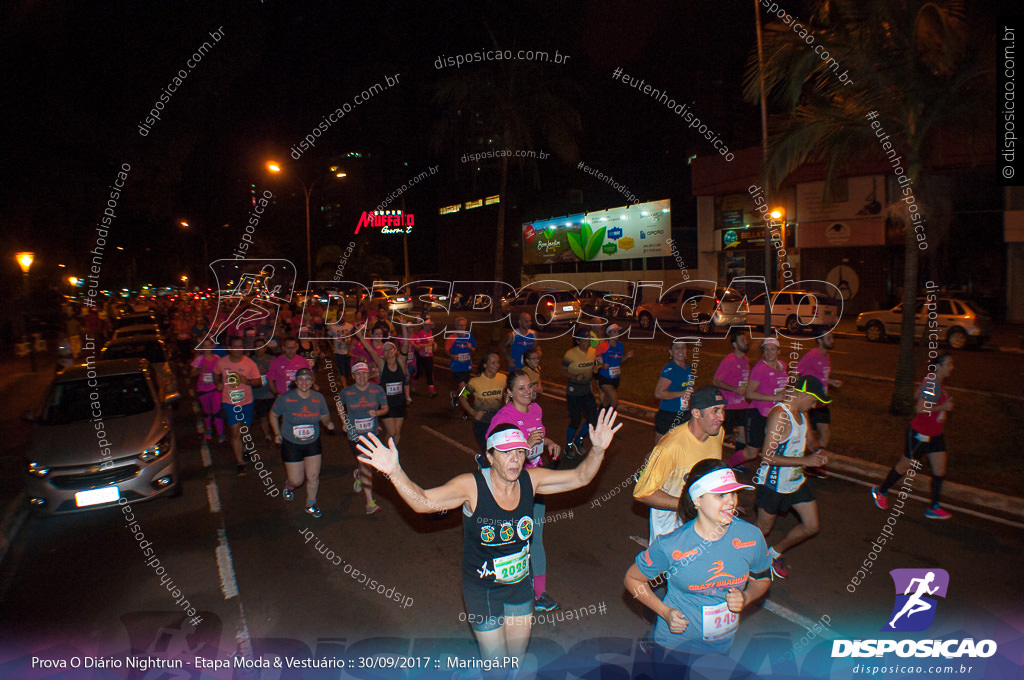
(796,311)
(959,322)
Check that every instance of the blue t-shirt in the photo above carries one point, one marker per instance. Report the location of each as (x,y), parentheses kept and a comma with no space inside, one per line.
(611,360)
(680,379)
(462,353)
(699,574)
(521,343)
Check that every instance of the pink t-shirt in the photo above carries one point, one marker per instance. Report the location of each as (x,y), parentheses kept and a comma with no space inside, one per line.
(206,383)
(768,380)
(282,371)
(527,423)
(236,375)
(735,371)
(423,341)
(817,364)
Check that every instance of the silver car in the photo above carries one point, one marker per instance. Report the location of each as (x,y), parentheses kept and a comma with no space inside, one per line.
(701,304)
(103,434)
(152,348)
(546,306)
(958,321)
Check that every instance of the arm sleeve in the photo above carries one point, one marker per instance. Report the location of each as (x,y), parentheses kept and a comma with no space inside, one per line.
(654,474)
(654,560)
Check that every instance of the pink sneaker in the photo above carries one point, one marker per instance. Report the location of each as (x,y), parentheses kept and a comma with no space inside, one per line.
(879,498)
(935,512)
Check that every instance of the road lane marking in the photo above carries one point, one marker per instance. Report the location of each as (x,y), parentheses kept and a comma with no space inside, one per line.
(226,568)
(927,501)
(213,497)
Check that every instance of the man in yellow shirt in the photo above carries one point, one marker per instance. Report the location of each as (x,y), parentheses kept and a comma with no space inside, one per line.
(664,473)
(579,365)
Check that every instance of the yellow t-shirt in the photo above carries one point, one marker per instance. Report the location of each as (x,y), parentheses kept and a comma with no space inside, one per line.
(488,393)
(580,366)
(666,467)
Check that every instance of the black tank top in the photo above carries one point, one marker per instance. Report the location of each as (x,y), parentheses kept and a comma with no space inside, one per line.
(496,542)
(393,383)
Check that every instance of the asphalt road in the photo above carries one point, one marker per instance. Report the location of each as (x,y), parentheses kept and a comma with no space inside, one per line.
(252,565)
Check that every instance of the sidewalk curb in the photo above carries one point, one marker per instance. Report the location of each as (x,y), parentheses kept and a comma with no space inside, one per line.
(1005,349)
(11,521)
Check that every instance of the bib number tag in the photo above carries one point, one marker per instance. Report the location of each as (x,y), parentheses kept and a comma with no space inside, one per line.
(303,431)
(923,438)
(290,375)
(393,389)
(613,371)
(512,568)
(463,357)
(207,378)
(236,396)
(363,424)
(718,621)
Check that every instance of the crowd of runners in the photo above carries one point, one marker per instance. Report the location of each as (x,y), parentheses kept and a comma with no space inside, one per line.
(776,417)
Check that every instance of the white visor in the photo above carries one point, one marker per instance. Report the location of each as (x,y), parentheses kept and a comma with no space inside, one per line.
(719,481)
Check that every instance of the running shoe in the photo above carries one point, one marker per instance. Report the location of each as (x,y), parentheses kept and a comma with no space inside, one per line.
(544,603)
(432,392)
(288,493)
(879,498)
(740,468)
(372,508)
(314,510)
(208,435)
(241,470)
(221,439)
(935,512)
(357,484)
(571,450)
(815,472)
(779,568)
(455,400)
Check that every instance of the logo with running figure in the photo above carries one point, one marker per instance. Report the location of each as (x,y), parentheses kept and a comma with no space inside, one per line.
(524,528)
(487,534)
(250,296)
(916,590)
(506,531)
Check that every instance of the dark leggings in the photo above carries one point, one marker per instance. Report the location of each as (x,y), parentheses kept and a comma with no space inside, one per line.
(425,367)
(582,407)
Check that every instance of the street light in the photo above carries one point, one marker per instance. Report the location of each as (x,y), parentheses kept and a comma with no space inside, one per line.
(275,167)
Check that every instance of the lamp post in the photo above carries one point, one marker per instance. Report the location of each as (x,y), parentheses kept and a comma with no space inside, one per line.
(206,254)
(276,168)
(25,262)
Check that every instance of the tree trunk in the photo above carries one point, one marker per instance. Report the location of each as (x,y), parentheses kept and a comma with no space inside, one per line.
(902,403)
(499,242)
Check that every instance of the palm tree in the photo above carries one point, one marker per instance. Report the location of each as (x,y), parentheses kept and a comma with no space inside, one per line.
(908,61)
(514,105)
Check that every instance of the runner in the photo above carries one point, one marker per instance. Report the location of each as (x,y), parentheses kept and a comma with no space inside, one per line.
(391,367)
(341,334)
(817,363)
(765,387)
(578,365)
(296,418)
(780,479)
(663,475)
(531,361)
(236,375)
(283,368)
(263,396)
(496,504)
(488,391)
(519,339)
(460,345)
(206,389)
(675,385)
(611,353)
(425,345)
(925,436)
(365,403)
(731,377)
(522,411)
(716,566)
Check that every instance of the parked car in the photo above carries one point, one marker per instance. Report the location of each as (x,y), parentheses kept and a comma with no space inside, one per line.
(795,311)
(430,297)
(702,304)
(153,349)
(137,330)
(545,305)
(75,466)
(135,319)
(960,322)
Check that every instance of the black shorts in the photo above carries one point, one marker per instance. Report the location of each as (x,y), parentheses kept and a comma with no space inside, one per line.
(488,605)
(601,380)
(296,453)
(460,376)
(666,420)
(756,424)
(344,364)
(396,410)
(734,418)
(914,448)
(775,503)
(261,408)
(821,415)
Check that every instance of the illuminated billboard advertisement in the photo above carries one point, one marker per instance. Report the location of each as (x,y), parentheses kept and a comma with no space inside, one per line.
(641,230)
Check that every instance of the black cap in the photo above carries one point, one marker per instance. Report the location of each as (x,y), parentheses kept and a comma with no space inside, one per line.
(706,397)
(808,384)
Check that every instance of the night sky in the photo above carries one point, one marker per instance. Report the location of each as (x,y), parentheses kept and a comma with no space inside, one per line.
(81,78)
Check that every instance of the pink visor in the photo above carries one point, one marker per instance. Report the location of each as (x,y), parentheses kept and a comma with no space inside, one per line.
(719,481)
(507,440)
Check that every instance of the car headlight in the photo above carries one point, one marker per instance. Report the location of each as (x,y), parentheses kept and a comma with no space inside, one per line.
(37,470)
(161,448)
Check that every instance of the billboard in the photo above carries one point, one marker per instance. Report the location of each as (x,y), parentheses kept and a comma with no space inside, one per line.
(642,230)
